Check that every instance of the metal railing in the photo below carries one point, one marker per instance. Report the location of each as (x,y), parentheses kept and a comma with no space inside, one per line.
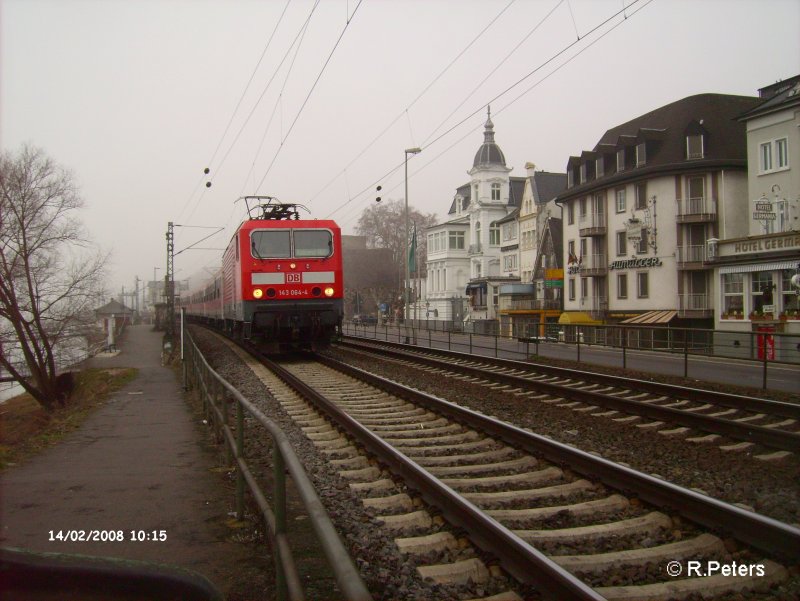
(701,205)
(215,393)
(758,349)
(694,302)
(693,253)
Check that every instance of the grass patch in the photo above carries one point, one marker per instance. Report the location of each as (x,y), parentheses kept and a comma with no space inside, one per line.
(26,428)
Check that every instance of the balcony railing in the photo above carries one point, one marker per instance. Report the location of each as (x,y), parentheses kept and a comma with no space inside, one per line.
(694,302)
(692,253)
(530,304)
(594,265)
(592,223)
(698,208)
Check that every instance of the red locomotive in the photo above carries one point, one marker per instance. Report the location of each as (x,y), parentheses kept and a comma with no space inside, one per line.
(281,280)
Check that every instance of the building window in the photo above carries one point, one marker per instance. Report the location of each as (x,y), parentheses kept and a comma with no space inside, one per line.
(641,195)
(621,200)
(789,296)
(641,246)
(456,240)
(761,290)
(572,289)
(582,207)
(584,252)
(599,167)
(642,284)
(622,285)
(622,244)
(694,147)
(641,154)
(494,235)
(571,249)
(782,153)
(570,178)
(584,287)
(621,160)
(583,173)
(476,192)
(765,154)
(495,191)
(570,212)
(478,233)
(732,293)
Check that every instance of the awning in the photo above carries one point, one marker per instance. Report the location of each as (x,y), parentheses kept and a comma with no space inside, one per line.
(577,318)
(652,317)
(750,267)
(476,286)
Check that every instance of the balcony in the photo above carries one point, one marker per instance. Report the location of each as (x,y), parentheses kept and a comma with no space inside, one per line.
(690,256)
(594,265)
(599,307)
(697,210)
(694,305)
(592,224)
(475,249)
(530,304)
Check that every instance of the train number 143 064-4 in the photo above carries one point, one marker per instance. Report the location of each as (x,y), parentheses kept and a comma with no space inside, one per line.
(292,293)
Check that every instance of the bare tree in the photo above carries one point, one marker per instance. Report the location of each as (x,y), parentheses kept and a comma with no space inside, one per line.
(384,227)
(50,274)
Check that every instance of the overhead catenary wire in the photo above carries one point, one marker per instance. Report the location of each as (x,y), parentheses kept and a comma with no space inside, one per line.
(238,105)
(419,96)
(311,91)
(507,90)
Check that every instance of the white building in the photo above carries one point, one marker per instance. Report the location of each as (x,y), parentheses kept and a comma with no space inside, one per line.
(465,258)
(754,261)
(640,207)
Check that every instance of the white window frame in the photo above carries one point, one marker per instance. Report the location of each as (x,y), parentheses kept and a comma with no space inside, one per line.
(494,234)
(599,167)
(782,153)
(622,285)
(642,276)
(620,160)
(495,191)
(622,243)
(695,155)
(641,154)
(765,157)
(619,200)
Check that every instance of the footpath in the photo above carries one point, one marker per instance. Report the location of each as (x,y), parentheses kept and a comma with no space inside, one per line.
(138,465)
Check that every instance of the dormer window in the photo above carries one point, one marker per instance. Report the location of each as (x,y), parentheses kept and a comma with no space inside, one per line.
(641,154)
(583,173)
(694,146)
(621,160)
(570,178)
(599,167)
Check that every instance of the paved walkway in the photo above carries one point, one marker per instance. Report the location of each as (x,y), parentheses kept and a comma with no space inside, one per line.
(138,463)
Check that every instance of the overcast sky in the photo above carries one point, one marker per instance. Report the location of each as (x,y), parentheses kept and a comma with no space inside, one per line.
(137,97)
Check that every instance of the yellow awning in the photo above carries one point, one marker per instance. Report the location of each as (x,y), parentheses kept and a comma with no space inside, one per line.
(577,318)
(652,317)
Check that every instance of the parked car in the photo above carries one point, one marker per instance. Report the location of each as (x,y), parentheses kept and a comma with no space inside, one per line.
(364,320)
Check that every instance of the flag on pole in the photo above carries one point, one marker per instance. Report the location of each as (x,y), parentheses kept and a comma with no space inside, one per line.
(412,251)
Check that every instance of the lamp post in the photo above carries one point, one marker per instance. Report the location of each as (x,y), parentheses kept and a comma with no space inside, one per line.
(407,314)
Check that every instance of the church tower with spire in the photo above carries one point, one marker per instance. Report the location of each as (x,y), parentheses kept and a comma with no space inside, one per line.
(489,202)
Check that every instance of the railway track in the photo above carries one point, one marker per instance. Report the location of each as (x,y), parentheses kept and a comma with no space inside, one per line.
(488,495)
(735,422)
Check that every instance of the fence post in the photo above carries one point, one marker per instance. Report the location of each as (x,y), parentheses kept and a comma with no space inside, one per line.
(496,338)
(470,343)
(239,455)
(578,338)
(279,493)
(764,353)
(624,347)
(686,354)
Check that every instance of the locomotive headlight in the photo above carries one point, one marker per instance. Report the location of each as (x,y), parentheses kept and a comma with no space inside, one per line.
(328,291)
(258,293)
(292,265)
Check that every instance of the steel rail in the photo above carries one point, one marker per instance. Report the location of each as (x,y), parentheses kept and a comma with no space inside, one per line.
(764,533)
(520,559)
(725,399)
(768,437)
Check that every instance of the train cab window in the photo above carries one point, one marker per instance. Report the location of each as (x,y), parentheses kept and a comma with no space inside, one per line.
(313,243)
(271,244)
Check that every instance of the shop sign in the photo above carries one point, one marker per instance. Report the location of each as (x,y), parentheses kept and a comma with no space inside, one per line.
(636,263)
(764,211)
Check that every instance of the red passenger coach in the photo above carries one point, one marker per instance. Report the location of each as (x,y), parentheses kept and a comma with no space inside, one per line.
(282,279)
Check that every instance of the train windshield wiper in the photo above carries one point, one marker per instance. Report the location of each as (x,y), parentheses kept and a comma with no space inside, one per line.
(255,250)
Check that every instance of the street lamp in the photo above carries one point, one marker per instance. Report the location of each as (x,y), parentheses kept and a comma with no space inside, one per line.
(408,151)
